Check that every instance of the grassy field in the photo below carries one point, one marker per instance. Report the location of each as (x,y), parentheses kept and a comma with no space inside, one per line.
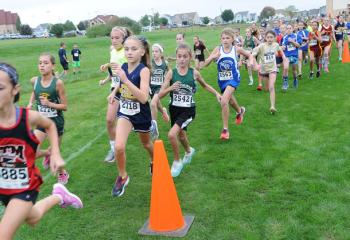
(279,177)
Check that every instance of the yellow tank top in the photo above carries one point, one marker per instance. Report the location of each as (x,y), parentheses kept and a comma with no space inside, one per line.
(118,56)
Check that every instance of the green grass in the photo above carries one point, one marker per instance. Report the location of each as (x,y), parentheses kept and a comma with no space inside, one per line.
(279,177)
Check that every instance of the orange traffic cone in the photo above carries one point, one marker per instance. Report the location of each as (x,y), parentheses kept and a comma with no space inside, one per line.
(346,55)
(165,212)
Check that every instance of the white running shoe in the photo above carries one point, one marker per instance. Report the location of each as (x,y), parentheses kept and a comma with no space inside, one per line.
(188,156)
(154,130)
(110,157)
(251,82)
(176,168)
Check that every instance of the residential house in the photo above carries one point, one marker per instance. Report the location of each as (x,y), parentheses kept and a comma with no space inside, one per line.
(186,19)
(8,22)
(101,19)
(42,30)
(253,17)
(242,16)
(218,20)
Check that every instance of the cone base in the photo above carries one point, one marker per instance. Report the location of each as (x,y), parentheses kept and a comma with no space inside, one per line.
(178,233)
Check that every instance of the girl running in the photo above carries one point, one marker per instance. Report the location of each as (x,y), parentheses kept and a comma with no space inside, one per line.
(228,77)
(181,84)
(326,35)
(266,53)
(315,50)
(50,98)
(20,179)
(303,50)
(249,43)
(198,49)
(339,30)
(134,112)
(290,45)
(159,69)
(118,36)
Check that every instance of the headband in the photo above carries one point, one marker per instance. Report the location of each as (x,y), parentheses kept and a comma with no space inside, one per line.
(10,71)
(158,46)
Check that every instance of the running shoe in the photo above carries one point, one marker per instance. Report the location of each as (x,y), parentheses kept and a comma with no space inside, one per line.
(225,135)
(311,76)
(318,74)
(67,198)
(285,85)
(119,186)
(46,161)
(176,168)
(165,115)
(326,70)
(154,130)
(273,110)
(240,116)
(110,157)
(295,83)
(300,76)
(188,156)
(251,82)
(63,177)
(340,59)
(259,88)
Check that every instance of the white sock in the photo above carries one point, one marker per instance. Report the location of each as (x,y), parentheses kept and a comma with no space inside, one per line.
(60,197)
(112,143)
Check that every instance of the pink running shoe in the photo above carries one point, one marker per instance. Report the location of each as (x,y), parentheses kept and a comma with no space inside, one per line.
(67,198)
(165,115)
(63,177)
(46,161)
(239,116)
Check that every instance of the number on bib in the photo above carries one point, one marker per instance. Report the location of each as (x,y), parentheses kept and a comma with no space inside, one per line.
(129,107)
(325,38)
(269,58)
(182,100)
(115,81)
(225,75)
(14,178)
(157,80)
(47,111)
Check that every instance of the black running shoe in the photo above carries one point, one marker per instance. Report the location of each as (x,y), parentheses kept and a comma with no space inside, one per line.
(318,74)
(311,76)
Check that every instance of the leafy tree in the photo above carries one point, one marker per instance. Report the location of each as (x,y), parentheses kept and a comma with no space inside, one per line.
(144,21)
(291,11)
(227,15)
(156,19)
(68,26)
(267,12)
(206,20)
(57,29)
(25,30)
(163,21)
(18,24)
(83,25)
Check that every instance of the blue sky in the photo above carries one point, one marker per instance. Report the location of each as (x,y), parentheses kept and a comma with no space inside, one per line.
(34,12)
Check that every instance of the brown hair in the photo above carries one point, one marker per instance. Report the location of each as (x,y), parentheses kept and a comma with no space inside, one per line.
(52,59)
(125,31)
(186,47)
(145,59)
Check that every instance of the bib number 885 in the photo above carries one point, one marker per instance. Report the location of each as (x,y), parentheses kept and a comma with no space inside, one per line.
(13,173)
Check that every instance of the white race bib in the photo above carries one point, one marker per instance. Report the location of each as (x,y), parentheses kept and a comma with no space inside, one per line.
(157,80)
(76,54)
(225,75)
(325,38)
(115,81)
(313,42)
(269,58)
(198,52)
(129,107)
(182,100)
(47,111)
(14,178)
(290,47)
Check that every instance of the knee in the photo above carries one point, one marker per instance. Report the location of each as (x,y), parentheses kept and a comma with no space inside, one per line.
(223,102)
(119,148)
(153,104)
(182,136)
(271,89)
(147,145)
(110,121)
(32,222)
(171,136)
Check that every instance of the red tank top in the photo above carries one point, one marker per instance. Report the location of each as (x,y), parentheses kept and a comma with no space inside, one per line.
(327,36)
(313,40)
(18,146)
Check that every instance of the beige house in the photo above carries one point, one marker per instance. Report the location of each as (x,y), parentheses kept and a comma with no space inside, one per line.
(102,19)
(336,7)
(186,19)
(8,22)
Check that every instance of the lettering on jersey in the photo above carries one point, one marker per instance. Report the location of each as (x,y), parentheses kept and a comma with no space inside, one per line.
(45,95)
(225,70)
(11,154)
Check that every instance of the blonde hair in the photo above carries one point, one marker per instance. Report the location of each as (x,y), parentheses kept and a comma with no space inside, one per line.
(229,32)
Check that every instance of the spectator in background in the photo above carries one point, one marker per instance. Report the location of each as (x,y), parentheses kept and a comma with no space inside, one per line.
(76,58)
(63,59)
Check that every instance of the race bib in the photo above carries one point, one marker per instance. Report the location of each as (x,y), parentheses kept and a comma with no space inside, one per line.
(182,100)
(14,178)
(129,107)
(290,48)
(269,58)
(47,111)
(198,52)
(76,54)
(313,42)
(157,80)
(325,38)
(225,75)
(115,81)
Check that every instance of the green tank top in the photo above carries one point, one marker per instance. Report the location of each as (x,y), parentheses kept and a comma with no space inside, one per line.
(51,94)
(249,43)
(184,96)
(158,73)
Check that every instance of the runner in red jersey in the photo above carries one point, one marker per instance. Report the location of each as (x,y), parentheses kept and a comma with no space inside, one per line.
(327,33)
(19,177)
(315,50)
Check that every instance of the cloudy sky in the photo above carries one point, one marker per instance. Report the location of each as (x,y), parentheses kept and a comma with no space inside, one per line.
(34,12)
